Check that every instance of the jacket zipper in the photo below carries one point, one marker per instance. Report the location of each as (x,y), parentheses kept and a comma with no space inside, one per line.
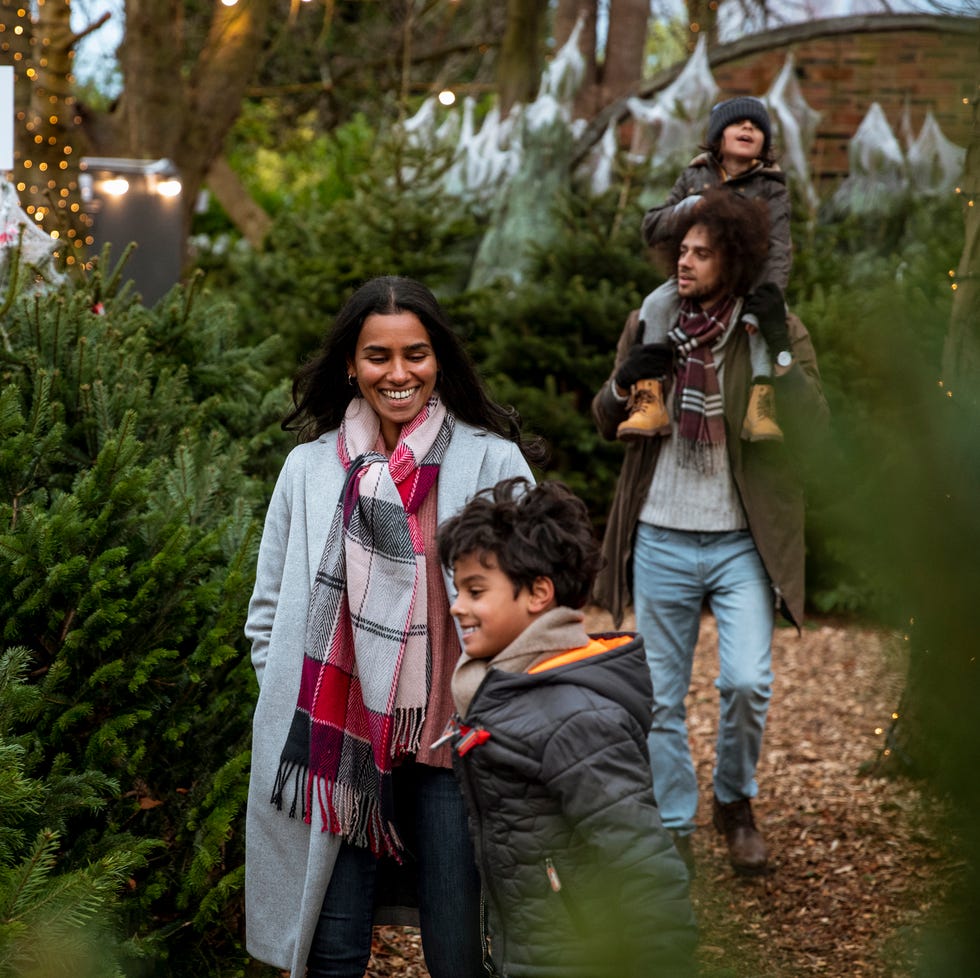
(554,881)
(456,729)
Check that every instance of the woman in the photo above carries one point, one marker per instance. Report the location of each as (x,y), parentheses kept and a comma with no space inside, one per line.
(354,647)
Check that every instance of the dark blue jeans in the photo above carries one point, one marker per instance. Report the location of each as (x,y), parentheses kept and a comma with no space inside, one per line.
(432,823)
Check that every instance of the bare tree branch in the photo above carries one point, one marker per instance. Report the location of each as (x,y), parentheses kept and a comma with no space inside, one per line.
(94,26)
(343,68)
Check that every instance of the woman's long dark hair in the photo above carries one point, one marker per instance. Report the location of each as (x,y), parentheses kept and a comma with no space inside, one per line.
(321,390)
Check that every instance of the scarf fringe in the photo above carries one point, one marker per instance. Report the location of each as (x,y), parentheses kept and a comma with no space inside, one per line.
(358,820)
(344,811)
(406,731)
(290,770)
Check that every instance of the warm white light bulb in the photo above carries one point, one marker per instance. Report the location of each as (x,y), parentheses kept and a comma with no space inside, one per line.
(115,187)
(169,188)
(446,97)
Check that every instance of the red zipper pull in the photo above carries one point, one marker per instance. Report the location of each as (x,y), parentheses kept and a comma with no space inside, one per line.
(472,736)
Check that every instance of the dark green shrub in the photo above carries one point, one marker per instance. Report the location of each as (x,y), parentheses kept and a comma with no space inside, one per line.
(127,537)
(396,220)
(547,344)
(54,919)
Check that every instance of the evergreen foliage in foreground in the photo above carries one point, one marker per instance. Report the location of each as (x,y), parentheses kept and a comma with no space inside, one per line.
(53,920)
(127,541)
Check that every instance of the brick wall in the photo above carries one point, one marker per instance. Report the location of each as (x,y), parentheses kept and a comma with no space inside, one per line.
(841,76)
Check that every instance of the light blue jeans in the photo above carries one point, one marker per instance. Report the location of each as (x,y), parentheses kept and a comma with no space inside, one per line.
(674,571)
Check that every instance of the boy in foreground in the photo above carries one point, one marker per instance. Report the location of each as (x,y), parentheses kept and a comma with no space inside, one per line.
(549,745)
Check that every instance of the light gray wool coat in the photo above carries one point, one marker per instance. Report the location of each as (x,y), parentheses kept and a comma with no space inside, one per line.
(287,862)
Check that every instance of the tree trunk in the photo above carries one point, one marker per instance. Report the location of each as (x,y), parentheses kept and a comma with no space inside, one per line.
(522,53)
(161,112)
(625,47)
(961,353)
(245,213)
(567,14)
(46,168)
(702,18)
(934,728)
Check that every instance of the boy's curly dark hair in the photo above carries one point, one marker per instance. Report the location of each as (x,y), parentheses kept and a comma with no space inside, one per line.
(738,227)
(533,531)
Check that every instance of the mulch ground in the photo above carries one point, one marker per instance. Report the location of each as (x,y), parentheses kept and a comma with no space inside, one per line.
(859,862)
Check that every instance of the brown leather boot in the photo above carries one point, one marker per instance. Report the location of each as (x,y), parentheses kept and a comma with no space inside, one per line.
(760,416)
(746,847)
(648,413)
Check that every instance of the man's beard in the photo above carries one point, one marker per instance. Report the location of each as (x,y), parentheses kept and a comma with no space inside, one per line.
(705,295)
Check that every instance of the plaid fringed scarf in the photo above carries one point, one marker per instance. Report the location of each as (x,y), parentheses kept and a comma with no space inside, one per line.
(365,678)
(697,394)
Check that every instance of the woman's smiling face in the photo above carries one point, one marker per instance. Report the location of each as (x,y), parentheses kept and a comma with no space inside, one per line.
(395,367)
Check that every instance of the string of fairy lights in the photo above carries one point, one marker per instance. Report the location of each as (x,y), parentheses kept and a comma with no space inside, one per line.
(45,165)
(968,202)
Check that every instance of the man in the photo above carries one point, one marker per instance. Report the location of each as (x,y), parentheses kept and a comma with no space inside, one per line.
(701,515)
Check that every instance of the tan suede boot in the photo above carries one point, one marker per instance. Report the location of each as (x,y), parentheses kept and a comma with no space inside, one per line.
(648,413)
(760,416)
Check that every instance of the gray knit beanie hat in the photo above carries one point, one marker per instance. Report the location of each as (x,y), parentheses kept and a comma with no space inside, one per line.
(736,109)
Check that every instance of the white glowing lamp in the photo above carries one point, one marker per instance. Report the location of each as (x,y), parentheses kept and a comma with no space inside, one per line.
(115,187)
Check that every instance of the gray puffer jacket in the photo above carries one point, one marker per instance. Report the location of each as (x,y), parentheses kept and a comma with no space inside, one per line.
(581,877)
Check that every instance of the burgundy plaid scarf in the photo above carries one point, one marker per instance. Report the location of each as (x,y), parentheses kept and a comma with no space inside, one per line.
(697,394)
(365,679)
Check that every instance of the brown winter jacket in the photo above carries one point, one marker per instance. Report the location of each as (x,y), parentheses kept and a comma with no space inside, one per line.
(766,473)
(763,182)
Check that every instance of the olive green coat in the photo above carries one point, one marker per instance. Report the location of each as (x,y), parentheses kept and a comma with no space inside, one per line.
(767,474)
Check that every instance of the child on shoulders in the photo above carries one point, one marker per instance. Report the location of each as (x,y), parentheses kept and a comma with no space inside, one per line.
(738,156)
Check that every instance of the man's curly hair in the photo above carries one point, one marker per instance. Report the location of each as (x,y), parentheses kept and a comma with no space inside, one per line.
(533,531)
(737,226)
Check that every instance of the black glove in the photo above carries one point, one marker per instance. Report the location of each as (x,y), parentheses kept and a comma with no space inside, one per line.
(767,308)
(644,360)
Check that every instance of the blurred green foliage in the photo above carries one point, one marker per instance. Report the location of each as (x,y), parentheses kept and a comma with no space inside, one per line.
(876,298)
(54,919)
